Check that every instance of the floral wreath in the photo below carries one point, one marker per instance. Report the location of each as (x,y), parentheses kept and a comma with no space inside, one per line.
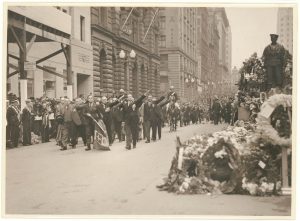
(264,122)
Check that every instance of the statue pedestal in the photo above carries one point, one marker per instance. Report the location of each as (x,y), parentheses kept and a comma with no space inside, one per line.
(285,190)
(243,114)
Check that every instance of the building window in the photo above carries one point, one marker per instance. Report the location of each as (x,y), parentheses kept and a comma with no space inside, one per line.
(103,16)
(135,31)
(163,41)
(82,28)
(162,22)
(156,42)
(164,62)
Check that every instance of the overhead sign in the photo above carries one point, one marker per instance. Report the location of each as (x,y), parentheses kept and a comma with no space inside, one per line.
(29,66)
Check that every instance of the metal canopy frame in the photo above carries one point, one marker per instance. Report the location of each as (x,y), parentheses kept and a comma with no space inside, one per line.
(21,29)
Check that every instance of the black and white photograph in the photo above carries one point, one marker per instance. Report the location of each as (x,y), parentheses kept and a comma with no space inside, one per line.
(149,110)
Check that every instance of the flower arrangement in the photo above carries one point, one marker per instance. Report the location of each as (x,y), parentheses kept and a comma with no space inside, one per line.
(240,159)
(211,163)
(253,75)
(35,139)
(261,165)
(273,122)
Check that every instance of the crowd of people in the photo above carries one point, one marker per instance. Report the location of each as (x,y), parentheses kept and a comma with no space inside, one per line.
(125,118)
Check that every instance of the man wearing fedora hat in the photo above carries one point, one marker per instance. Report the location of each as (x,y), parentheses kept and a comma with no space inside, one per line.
(274,61)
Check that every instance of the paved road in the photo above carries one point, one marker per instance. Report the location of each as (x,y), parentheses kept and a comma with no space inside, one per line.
(43,180)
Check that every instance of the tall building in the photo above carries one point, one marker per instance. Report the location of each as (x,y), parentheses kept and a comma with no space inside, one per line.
(203,44)
(178,51)
(46,36)
(223,25)
(228,54)
(211,79)
(221,82)
(285,28)
(125,50)
(234,80)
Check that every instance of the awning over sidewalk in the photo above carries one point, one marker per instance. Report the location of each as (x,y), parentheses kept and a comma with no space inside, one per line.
(47,23)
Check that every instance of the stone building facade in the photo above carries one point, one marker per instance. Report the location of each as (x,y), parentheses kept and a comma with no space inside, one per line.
(111,35)
(178,45)
(203,43)
(285,28)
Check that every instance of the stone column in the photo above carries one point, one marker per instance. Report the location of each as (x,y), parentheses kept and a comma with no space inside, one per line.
(107,72)
(96,67)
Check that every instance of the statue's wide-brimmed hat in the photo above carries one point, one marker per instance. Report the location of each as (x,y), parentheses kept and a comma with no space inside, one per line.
(274,35)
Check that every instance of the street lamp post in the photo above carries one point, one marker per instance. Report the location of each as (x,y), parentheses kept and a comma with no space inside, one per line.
(122,55)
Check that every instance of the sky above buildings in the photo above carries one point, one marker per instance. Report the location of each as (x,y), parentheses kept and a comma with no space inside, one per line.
(250,28)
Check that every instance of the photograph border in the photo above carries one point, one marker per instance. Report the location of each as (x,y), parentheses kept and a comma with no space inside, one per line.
(163,4)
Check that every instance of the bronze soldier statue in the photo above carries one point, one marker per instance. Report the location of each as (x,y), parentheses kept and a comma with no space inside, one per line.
(274,60)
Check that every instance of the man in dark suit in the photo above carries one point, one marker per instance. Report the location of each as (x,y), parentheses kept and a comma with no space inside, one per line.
(77,125)
(131,119)
(87,111)
(159,110)
(148,117)
(157,118)
(117,117)
(105,111)
(13,122)
(216,110)
(66,128)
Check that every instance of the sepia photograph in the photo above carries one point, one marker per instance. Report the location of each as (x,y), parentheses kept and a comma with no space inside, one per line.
(145,110)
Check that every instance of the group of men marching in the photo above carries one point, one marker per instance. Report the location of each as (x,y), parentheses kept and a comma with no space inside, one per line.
(123,116)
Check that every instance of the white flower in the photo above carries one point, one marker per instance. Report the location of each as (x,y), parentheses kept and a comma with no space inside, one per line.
(278,185)
(221,153)
(210,141)
(270,187)
(187,180)
(185,185)
(252,188)
(181,189)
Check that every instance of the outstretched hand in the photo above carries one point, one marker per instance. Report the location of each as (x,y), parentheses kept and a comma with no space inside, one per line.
(120,98)
(147,92)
